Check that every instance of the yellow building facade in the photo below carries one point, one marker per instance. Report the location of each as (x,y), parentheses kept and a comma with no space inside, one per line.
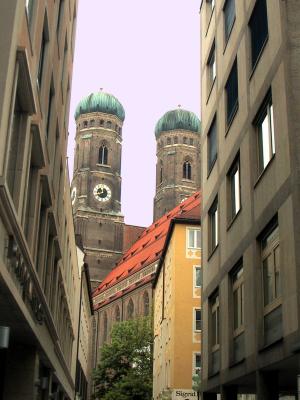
(177,312)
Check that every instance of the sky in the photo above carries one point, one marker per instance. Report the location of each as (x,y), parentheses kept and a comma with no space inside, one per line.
(147,54)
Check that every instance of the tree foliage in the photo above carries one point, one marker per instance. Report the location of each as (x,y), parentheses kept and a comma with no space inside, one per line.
(125,368)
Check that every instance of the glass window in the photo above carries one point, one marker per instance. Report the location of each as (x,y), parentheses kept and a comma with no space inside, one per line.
(187,170)
(175,140)
(211,67)
(42,56)
(197,363)
(212,144)
(237,278)
(191,141)
(258,25)
(215,322)
(264,124)
(29,9)
(103,155)
(234,189)
(213,225)
(168,141)
(198,320)
(198,277)
(229,17)
(184,140)
(271,266)
(194,238)
(232,95)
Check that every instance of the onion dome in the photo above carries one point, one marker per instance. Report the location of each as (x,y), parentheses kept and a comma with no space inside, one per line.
(178,119)
(100,102)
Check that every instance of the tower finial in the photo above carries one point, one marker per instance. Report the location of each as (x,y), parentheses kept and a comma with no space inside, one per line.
(179,105)
(101,89)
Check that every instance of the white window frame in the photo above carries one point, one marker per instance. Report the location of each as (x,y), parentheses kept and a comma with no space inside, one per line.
(196,232)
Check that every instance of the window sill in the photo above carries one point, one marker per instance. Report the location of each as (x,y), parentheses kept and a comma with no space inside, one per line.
(258,58)
(263,171)
(103,165)
(212,252)
(271,306)
(188,180)
(229,34)
(232,117)
(212,166)
(231,222)
(210,90)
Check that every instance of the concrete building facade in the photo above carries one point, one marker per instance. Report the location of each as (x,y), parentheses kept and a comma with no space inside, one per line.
(178,175)
(250,53)
(39,281)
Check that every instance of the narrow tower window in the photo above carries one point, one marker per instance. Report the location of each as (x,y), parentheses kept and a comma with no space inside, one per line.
(161,173)
(187,170)
(103,155)
(130,309)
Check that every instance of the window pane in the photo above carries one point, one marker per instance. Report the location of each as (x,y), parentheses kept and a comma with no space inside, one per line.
(232,92)
(191,238)
(272,128)
(229,17)
(212,144)
(198,239)
(235,309)
(277,272)
(198,361)
(268,280)
(259,29)
(198,320)
(198,277)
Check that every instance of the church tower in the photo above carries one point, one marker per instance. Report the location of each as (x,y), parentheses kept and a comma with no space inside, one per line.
(96,184)
(178,159)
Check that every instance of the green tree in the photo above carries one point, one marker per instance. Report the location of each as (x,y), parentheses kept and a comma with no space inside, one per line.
(125,368)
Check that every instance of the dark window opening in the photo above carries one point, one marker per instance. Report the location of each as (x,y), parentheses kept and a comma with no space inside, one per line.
(232,96)
(258,25)
(187,170)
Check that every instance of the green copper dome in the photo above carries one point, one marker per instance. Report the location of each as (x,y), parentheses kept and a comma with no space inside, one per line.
(178,119)
(100,102)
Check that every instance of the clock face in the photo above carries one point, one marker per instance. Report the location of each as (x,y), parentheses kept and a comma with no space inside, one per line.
(102,192)
(73,195)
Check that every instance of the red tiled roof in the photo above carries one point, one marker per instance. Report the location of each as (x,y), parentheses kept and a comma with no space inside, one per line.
(148,248)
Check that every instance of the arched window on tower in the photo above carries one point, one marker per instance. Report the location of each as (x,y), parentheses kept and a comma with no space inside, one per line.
(103,155)
(146,304)
(117,314)
(130,309)
(161,172)
(187,170)
(108,124)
